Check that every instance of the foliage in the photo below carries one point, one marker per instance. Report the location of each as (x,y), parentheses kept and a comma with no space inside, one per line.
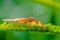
(14,26)
(52,3)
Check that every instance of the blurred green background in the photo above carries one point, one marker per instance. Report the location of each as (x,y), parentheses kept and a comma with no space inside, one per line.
(26,9)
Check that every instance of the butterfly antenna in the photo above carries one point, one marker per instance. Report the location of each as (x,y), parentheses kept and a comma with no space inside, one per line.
(41,15)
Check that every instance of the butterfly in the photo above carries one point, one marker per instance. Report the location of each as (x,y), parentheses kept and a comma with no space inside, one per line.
(30,20)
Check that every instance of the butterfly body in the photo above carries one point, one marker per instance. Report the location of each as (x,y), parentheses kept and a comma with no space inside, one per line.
(30,21)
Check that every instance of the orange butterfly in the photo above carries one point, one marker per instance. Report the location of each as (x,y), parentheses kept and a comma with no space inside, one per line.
(22,21)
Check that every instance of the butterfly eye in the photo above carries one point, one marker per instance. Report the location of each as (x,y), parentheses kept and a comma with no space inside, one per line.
(31,17)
